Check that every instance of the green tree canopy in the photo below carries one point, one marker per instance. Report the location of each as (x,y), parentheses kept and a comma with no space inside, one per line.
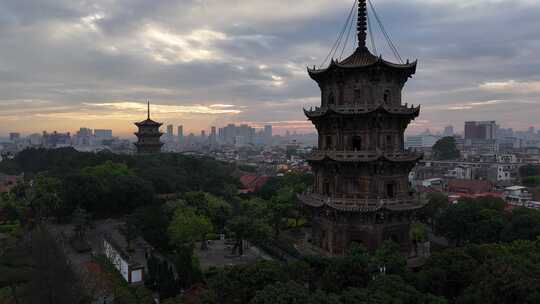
(445,149)
(188,226)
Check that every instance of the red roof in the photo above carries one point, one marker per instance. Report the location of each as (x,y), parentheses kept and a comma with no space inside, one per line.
(469,186)
(252,182)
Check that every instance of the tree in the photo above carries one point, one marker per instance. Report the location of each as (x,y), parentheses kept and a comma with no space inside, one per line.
(445,149)
(437,203)
(417,234)
(153,222)
(524,224)
(239,284)
(16,268)
(347,271)
(282,293)
(505,279)
(458,221)
(389,258)
(187,267)
(447,273)
(44,196)
(213,207)
(247,228)
(280,207)
(187,226)
(388,289)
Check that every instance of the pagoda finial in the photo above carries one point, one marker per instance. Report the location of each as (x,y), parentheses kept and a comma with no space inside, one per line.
(361,24)
(148,109)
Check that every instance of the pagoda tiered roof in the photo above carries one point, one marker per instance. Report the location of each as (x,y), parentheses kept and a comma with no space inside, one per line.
(364,205)
(363,110)
(362,58)
(363,156)
(148,122)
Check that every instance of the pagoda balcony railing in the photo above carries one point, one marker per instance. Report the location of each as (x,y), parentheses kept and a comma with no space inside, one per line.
(372,154)
(360,202)
(356,108)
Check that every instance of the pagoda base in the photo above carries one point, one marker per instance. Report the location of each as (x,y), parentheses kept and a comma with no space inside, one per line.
(335,237)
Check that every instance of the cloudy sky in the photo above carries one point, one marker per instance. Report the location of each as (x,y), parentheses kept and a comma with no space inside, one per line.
(66,64)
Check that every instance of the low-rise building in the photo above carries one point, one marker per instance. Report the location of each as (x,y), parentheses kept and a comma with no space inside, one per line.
(517,195)
(128,259)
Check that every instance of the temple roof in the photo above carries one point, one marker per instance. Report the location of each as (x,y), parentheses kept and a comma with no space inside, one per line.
(356,110)
(363,156)
(148,122)
(362,58)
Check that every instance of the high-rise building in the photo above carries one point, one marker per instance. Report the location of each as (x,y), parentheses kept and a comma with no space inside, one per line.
(213,136)
(103,134)
(180,133)
(14,136)
(361,190)
(228,135)
(268,134)
(148,136)
(448,131)
(170,133)
(84,137)
(480,130)
(56,139)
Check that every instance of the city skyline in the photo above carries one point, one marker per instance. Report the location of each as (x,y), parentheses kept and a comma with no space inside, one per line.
(204,63)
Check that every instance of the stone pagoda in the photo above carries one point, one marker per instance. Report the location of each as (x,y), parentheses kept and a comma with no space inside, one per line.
(148,136)
(361,190)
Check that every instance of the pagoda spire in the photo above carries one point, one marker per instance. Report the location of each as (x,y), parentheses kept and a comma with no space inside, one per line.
(148,109)
(361,24)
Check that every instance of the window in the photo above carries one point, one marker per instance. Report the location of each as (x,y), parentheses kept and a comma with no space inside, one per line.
(331,99)
(326,187)
(357,143)
(391,190)
(328,142)
(389,143)
(386,96)
(357,96)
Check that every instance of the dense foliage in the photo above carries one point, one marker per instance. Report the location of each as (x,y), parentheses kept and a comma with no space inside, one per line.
(167,173)
(445,149)
(484,220)
(494,254)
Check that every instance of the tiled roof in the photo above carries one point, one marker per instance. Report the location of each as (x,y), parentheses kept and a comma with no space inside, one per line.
(148,122)
(252,182)
(469,186)
(360,57)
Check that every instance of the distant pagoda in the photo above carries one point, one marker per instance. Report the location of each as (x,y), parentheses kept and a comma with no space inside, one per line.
(148,136)
(361,190)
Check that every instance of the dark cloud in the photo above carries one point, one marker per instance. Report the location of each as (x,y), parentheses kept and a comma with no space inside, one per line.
(57,56)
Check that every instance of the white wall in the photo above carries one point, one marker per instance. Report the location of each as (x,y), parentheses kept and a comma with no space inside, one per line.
(116,260)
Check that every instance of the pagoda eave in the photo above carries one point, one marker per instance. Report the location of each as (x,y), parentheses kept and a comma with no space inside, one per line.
(412,112)
(359,205)
(363,157)
(408,68)
(158,134)
(148,145)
